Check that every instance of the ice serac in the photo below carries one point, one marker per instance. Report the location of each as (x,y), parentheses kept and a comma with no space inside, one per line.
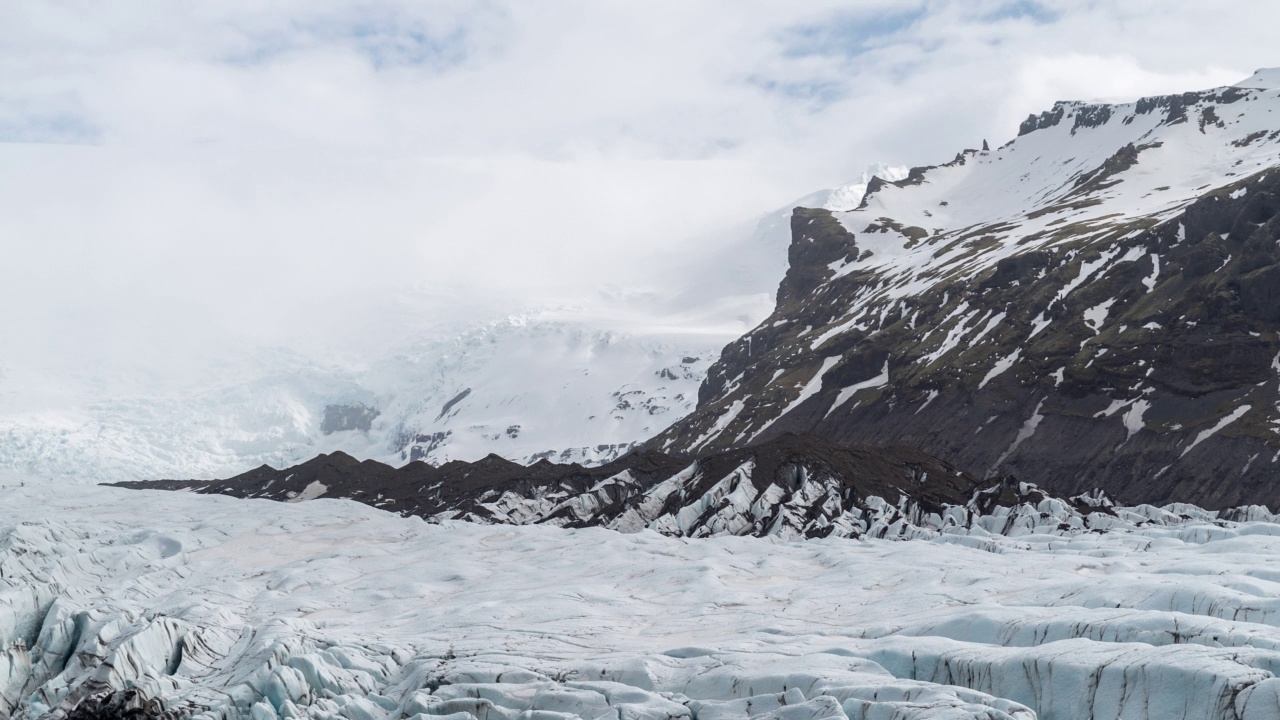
(1092,304)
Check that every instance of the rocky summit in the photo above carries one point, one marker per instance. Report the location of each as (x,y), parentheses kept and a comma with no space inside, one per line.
(1094,304)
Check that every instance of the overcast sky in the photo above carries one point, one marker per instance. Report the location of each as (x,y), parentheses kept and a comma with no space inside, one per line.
(174,174)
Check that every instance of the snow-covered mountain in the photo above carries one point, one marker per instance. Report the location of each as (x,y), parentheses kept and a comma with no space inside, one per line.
(524,388)
(549,384)
(1093,304)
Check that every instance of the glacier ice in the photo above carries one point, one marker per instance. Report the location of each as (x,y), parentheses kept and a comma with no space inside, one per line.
(177,605)
(601,392)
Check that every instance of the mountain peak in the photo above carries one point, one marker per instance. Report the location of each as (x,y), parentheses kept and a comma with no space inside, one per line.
(1262,79)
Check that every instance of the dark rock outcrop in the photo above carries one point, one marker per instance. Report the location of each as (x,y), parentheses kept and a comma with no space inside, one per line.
(352,416)
(794,485)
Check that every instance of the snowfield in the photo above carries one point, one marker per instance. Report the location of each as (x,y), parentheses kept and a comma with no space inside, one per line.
(184,605)
(527,387)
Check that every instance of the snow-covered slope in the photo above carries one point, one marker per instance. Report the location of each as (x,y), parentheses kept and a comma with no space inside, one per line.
(526,387)
(214,607)
(849,197)
(1091,304)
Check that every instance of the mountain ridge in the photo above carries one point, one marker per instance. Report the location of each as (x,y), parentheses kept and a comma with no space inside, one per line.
(789,488)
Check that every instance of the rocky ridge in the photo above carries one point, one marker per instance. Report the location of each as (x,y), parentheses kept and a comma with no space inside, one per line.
(792,487)
(1092,305)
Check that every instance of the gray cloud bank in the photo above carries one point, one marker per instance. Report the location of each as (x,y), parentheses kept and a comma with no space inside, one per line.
(179,178)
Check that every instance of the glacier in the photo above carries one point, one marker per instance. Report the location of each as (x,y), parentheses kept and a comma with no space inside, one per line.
(458,390)
(126,603)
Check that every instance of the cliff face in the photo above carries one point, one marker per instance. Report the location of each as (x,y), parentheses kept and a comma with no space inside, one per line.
(1095,304)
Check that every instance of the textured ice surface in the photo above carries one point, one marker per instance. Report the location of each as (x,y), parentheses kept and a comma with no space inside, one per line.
(214,607)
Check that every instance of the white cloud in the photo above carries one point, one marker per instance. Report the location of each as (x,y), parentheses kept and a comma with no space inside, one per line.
(177,176)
